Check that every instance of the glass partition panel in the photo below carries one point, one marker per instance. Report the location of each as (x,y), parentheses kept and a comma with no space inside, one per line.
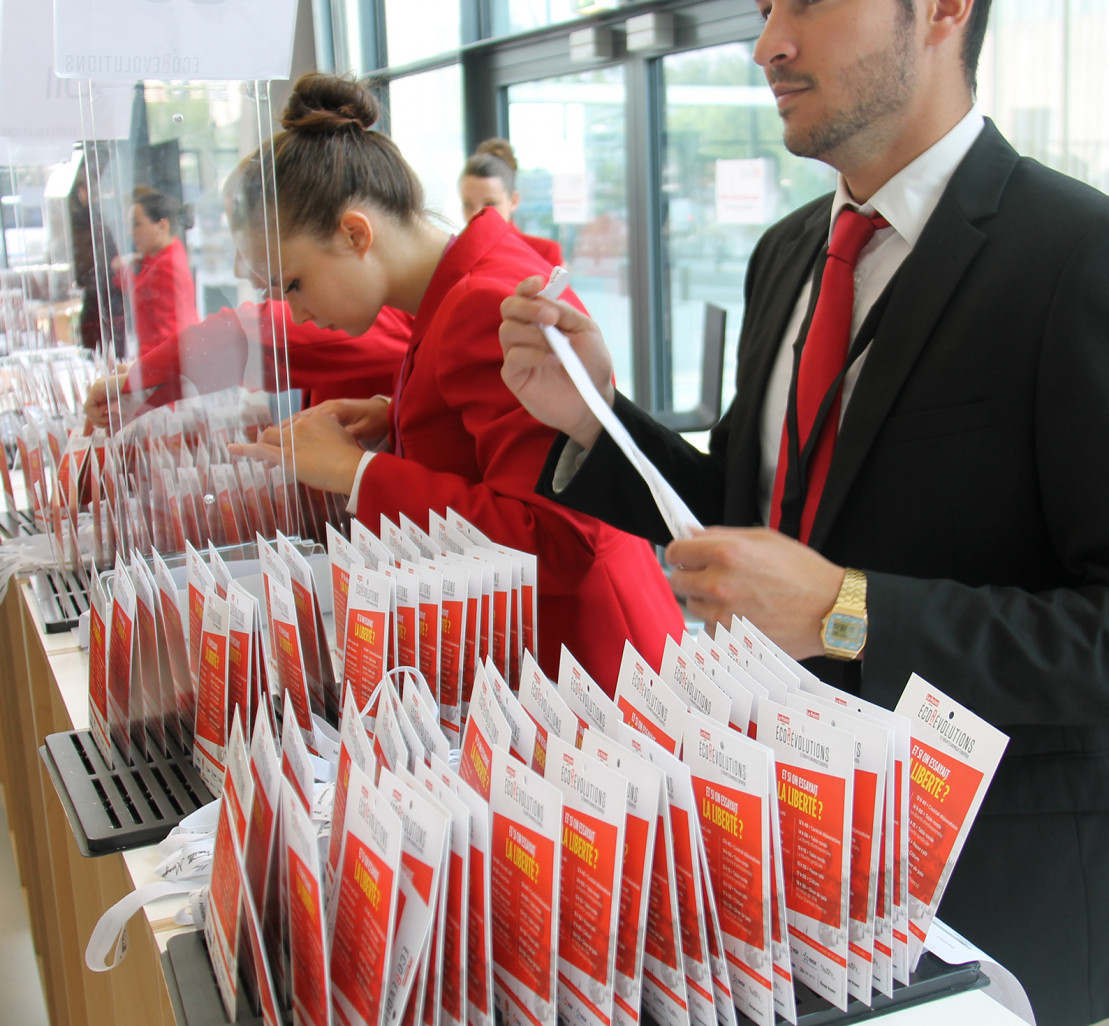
(726,177)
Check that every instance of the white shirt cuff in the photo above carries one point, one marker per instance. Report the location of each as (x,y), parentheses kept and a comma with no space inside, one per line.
(569,463)
(352,502)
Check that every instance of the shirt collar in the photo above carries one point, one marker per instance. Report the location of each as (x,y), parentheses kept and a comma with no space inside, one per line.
(909,197)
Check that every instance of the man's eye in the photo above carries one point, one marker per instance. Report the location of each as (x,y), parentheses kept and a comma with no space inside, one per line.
(293,286)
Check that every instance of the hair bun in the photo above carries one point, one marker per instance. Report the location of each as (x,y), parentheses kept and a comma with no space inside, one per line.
(499,148)
(327,103)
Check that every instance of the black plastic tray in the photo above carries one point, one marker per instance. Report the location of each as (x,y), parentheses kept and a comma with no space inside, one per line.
(61,597)
(192,985)
(112,810)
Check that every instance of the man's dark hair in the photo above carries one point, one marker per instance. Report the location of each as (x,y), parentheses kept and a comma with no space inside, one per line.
(972,41)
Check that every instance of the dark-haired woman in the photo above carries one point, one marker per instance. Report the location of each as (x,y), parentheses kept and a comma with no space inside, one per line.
(163,295)
(354,238)
(488,179)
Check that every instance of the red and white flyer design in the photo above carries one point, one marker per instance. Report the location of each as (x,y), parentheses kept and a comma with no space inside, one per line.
(406,612)
(319,673)
(522,726)
(161,689)
(721,981)
(815,763)
(449,986)
(486,729)
(727,673)
(423,716)
(221,923)
(585,697)
(699,691)
(241,671)
(199,581)
(753,641)
(731,784)
(374,552)
(552,717)
(148,715)
(265,775)
(664,991)
(648,705)
(390,747)
(366,648)
(363,910)
(210,740)
(953,759)
(121,670)
(343,556)
(273,569)
(685,867)
(431,623)
(307,943)
(452,645)
(425,837)
(785,997)
(288,658)
(355,749)
(594,821)
(645,784)
(891,913)
(183,686)
(296,762)
(260,981)
(873,750)
(100,607)
(526,815)
(479,918)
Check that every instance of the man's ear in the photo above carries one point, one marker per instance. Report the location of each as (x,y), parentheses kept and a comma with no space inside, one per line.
(946,17)
(356,230)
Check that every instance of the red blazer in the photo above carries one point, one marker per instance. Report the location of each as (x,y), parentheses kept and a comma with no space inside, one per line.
(468,444)
(548,249)
(163,296)
(259,345)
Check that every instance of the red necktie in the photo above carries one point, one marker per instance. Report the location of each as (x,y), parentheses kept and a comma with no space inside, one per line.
(823,357)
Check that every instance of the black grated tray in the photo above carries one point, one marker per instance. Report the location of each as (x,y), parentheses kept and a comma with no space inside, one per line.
(17,523)
(193,991)
(61,597)
(112,810)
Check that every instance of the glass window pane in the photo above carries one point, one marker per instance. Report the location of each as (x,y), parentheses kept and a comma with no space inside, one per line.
(415,31)
(569,135)
(726,178)
(521,15)
(426,123)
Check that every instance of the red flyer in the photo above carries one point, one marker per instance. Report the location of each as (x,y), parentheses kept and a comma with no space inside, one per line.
(241,672)
(953,759)
(308,950)
(122,678)
(645,784)
(390,746)
(731,785)
(486,729)
(585,697)
(318,670)
(520,724)
(296,763)
(363,911)
(431,622)
(425,840)
(366,647)
(100,607)
(700,692)
(176,651)
(594,822)
(453,634)
(221,923)
(199,581)
(288,660)
(815,763)
(664,990)
(406,611)
(729,675)
(548,710)
(526,815)
(445,1001)
(479,933)
(154,704)
(210,740)
(423,715)
(343,557)
(354,750)
(648,705)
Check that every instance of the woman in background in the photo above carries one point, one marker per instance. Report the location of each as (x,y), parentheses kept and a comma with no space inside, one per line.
(163,295)
(94,249)
(489,180)
(354,238)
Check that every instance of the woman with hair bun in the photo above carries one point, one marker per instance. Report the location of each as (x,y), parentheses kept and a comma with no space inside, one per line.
(163,295)
(354,237)
(488,179)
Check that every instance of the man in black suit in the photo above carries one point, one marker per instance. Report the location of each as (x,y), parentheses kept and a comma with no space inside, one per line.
(965,488)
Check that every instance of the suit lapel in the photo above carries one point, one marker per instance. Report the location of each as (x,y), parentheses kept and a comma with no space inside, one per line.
(921,291)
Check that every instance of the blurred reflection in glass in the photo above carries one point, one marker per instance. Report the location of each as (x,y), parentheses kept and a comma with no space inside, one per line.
(94,249)
(159,283)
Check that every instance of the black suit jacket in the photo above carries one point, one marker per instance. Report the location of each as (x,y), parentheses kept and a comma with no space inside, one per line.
(970,481)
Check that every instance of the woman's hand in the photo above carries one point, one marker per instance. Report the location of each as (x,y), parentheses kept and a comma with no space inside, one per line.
(315,448)
(367,420)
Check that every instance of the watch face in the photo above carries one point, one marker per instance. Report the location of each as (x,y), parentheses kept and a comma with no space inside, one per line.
(844,634)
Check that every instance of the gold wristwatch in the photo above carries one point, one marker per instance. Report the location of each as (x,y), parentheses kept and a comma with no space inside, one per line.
(843,630)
